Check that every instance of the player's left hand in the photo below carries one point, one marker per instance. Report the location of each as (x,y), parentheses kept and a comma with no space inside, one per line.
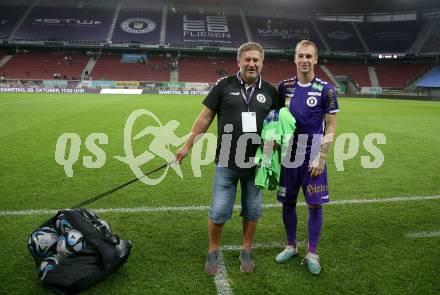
(317,166)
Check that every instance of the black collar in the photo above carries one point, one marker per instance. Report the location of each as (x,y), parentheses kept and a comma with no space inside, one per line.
(258,82)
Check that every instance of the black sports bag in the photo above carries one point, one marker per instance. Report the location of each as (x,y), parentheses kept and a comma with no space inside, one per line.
(75,250)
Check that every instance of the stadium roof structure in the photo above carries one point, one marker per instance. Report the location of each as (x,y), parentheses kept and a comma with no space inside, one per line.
(274,6)
(339,27)
(300,6)
(324,6)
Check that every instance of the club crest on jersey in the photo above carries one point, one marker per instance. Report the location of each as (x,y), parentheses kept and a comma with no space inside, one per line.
(261,98)
(312,101)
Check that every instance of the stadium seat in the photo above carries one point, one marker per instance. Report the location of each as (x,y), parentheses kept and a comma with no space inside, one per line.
(44,65)
(357,72)
(206,69)
(397,75)
(110,67)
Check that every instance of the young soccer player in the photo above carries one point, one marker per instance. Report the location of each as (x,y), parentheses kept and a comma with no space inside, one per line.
(313,104)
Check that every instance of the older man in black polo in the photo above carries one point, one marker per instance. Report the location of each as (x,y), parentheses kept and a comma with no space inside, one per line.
(241,102)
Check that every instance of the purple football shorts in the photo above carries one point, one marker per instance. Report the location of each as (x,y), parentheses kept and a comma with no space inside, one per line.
(315,189)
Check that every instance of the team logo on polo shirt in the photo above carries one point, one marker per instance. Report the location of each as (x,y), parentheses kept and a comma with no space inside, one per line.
(138,25)
(312,101)
(261,98)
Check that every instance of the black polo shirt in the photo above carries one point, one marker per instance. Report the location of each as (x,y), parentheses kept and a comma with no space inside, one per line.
(227,100)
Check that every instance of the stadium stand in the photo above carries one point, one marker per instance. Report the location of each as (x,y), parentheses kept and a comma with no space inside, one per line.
(347,42)
(44,66)
(110,67)
(205,69)
(357,72)
(281,32)
(276,70)
(432,79)
(391,37)
(9,16)
(135,28)
(432,44)
(209,69)
(397,75)
(69,24)
(340,36)
(191,29)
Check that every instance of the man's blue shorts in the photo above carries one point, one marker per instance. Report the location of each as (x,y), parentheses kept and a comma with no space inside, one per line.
(223,196)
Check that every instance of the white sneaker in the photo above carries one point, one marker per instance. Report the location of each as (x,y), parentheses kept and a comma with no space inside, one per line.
(286,254)
(312,263)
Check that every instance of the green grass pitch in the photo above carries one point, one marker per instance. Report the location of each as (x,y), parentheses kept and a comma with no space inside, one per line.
(364,247)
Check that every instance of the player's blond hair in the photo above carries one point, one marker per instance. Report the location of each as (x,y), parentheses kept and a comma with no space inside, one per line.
(250,46)
(306,43)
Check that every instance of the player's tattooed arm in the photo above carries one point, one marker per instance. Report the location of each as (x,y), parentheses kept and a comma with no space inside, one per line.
(330,129)
(329,134)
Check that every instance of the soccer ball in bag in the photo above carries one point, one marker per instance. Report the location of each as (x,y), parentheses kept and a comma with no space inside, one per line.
(70,243)
(75,241)
(62,224)
(42,241)
(47,265)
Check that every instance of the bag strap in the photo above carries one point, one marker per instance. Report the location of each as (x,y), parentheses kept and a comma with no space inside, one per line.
(91,200)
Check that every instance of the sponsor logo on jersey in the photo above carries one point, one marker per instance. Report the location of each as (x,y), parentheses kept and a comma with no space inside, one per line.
(314,189)
(234,93)
(312,101)
(261,98)
(314,93)
(317,86)
(331,98)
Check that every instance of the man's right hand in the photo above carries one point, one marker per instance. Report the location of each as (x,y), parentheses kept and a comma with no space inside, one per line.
(200,126)
(181,154)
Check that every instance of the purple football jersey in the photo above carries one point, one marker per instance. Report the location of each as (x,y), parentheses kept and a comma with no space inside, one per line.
(308,104)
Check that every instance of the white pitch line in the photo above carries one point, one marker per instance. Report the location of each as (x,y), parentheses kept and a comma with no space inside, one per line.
(206,208)
(221,278)
(271,245)
(255,246)
(111,210)
(383,200)
(424,234)
(17,102)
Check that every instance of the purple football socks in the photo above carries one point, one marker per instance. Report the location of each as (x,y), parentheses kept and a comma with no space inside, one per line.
(290,222)
(314,227)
